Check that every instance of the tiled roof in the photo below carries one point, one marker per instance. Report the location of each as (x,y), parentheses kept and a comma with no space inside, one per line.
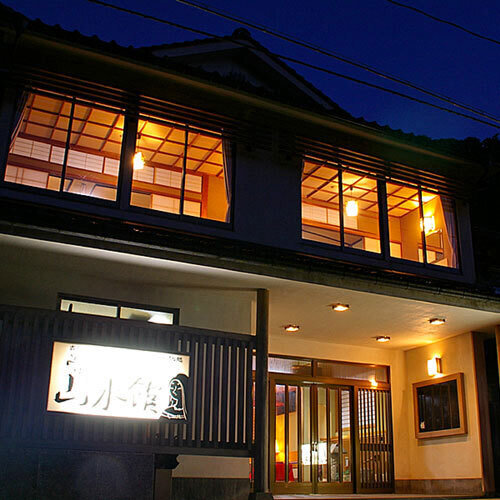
(469,148)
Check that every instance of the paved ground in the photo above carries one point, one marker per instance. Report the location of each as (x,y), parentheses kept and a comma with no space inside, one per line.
(388,496)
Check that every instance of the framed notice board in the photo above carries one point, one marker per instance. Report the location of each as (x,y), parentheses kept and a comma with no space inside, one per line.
(439,406)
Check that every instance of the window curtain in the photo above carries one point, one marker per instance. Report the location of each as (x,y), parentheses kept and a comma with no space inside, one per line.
(449,220)
(19,114)
(227,158)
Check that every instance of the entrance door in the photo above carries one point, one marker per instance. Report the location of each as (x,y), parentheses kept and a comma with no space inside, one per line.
(312,432)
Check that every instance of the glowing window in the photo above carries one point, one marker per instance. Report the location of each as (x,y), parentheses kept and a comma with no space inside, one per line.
(357,224)
(183,171)
(61,144)
(417,217)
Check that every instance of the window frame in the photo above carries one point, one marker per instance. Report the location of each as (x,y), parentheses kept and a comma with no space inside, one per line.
(341,247)
(425,264)
(462,414)
(132,135)
(384,233)
(131,117)
(175,311)
(73,101)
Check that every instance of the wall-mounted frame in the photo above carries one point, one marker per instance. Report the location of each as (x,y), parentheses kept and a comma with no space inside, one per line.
(439,407)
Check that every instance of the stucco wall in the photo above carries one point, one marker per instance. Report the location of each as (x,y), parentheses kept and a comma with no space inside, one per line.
(455,457)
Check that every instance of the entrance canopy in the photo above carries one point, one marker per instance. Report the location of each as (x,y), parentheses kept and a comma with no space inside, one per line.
(63,268)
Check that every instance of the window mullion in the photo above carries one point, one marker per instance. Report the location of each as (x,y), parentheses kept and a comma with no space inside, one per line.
(68,143)
(422,224)
(126,160)
(385,245)
(184,164)
(341,208)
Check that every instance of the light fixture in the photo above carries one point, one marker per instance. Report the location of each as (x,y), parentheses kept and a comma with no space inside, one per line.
(434,366)
(160,319)
(382,338)
(437,321)
(340,307)
(291,328)
(351,208)
(428,224)
(373,382)
(138,161)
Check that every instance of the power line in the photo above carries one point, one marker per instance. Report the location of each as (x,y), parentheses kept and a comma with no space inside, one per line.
(293,60)
(344,59)
(444,21)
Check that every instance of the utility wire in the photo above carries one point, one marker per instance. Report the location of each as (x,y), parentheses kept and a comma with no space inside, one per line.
(444,21)
(290,59)
(341,58)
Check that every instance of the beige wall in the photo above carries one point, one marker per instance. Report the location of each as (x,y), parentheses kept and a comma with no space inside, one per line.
(455,457)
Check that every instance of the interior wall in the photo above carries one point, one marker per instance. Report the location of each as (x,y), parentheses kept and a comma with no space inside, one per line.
(454,457)
(394,358)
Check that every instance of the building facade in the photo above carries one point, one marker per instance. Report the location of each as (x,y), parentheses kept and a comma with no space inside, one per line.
(217,283)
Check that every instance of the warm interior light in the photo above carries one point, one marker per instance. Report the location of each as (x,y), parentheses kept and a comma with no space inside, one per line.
(291,328)
(434,366)
(373,382)
(437,321)
(383,338)
(340,307)
(138,161)
(351,208)
(428,224)
(160,318)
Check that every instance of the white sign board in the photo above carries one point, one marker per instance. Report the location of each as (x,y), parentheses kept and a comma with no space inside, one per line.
(118,382)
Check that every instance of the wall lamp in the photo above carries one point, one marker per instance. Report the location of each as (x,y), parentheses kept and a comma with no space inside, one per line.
(434,366)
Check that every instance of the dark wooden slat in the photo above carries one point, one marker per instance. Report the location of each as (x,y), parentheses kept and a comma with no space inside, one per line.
(241,395)
(199,391)
(232,392)
(249,398)
(217,393)
(208,401)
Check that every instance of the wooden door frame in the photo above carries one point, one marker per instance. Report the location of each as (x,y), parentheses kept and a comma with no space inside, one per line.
(310,381)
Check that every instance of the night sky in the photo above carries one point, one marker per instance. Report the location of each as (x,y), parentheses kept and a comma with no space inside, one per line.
(374,32)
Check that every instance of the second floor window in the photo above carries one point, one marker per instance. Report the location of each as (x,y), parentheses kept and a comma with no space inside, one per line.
(74,146)
(339,208)
(62,145)
(421,219)
(182,170)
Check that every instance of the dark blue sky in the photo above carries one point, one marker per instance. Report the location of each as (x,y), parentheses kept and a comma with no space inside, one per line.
(375,32)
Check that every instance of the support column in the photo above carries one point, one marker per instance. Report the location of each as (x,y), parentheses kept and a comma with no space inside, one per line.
(261,449)
(497,335)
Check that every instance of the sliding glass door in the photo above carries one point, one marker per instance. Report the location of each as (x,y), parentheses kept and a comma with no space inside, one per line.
(312,431)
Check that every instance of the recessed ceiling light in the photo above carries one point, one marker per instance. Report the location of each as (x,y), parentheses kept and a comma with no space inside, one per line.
(340,307)
(437,321)
(382,338)
(291,328)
